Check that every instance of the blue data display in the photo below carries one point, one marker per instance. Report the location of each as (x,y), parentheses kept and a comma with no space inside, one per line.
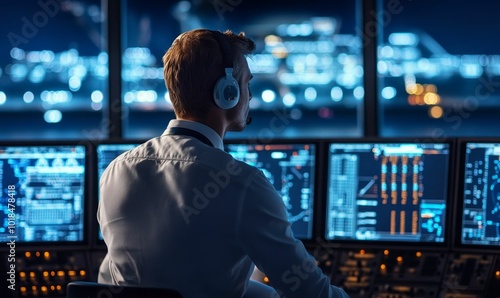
(291,170)
(387,192)
(49,199)
(481,196)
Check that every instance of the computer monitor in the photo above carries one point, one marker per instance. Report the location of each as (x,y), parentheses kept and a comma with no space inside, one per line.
(43,188)
(291,168)
(390,191)
(479,199)
(107,151)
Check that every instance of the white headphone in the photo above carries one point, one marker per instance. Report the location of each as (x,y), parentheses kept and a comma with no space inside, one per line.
(227,89)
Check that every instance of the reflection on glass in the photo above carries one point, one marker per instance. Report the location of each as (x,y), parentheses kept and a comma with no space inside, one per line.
(307,67)
(438,74)
(52,65)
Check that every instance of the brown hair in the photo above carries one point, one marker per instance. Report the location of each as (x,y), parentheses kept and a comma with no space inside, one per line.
(192,65)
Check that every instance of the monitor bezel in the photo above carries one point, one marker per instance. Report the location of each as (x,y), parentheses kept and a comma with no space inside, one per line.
(95,241)
(87,193)
(317,172)
(382,244)
(459,182)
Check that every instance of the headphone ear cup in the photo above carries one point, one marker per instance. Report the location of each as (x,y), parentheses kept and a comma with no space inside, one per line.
(226,92)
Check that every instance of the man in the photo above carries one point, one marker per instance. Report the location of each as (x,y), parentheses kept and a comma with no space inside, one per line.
(179,212)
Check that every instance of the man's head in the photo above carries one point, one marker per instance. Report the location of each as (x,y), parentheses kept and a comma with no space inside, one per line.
(196,61)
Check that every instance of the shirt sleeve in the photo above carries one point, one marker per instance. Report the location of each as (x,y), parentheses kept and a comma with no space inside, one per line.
(267,238)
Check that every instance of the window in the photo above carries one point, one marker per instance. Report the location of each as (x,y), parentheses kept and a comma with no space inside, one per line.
(53,70)
(307,68)
(439,68)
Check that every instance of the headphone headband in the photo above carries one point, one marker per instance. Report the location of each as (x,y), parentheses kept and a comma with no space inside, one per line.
(227,56)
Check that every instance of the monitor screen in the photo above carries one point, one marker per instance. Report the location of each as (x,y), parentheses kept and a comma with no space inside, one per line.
(291,170)
(481,194)
(394,192)
(43,189)
(106,152)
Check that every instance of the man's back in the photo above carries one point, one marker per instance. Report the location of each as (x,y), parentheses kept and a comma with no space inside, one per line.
(169,216)
(181,214)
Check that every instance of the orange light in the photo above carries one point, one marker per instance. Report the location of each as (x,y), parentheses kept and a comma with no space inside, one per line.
(44,289)
(52,287)
(420,89)
(266,279)
(411,88)
(82,272)
(431,98)
(382,267)
(33,288)
(22,274)
(60,273)
(32,274)
(58,287)
(436,112)
(27,254)
(418,254)
(46,254)
(45,273)
(431,88)
(72,273)
(386,252)
(37,253)
(52,273)
(399,259)
(23,289)
(497,273)
(362,251)
(420,100)
(412,100)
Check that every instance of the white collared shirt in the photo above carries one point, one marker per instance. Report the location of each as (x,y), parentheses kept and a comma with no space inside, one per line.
(177,213)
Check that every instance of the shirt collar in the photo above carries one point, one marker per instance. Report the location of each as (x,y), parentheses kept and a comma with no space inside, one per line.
(198,127)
